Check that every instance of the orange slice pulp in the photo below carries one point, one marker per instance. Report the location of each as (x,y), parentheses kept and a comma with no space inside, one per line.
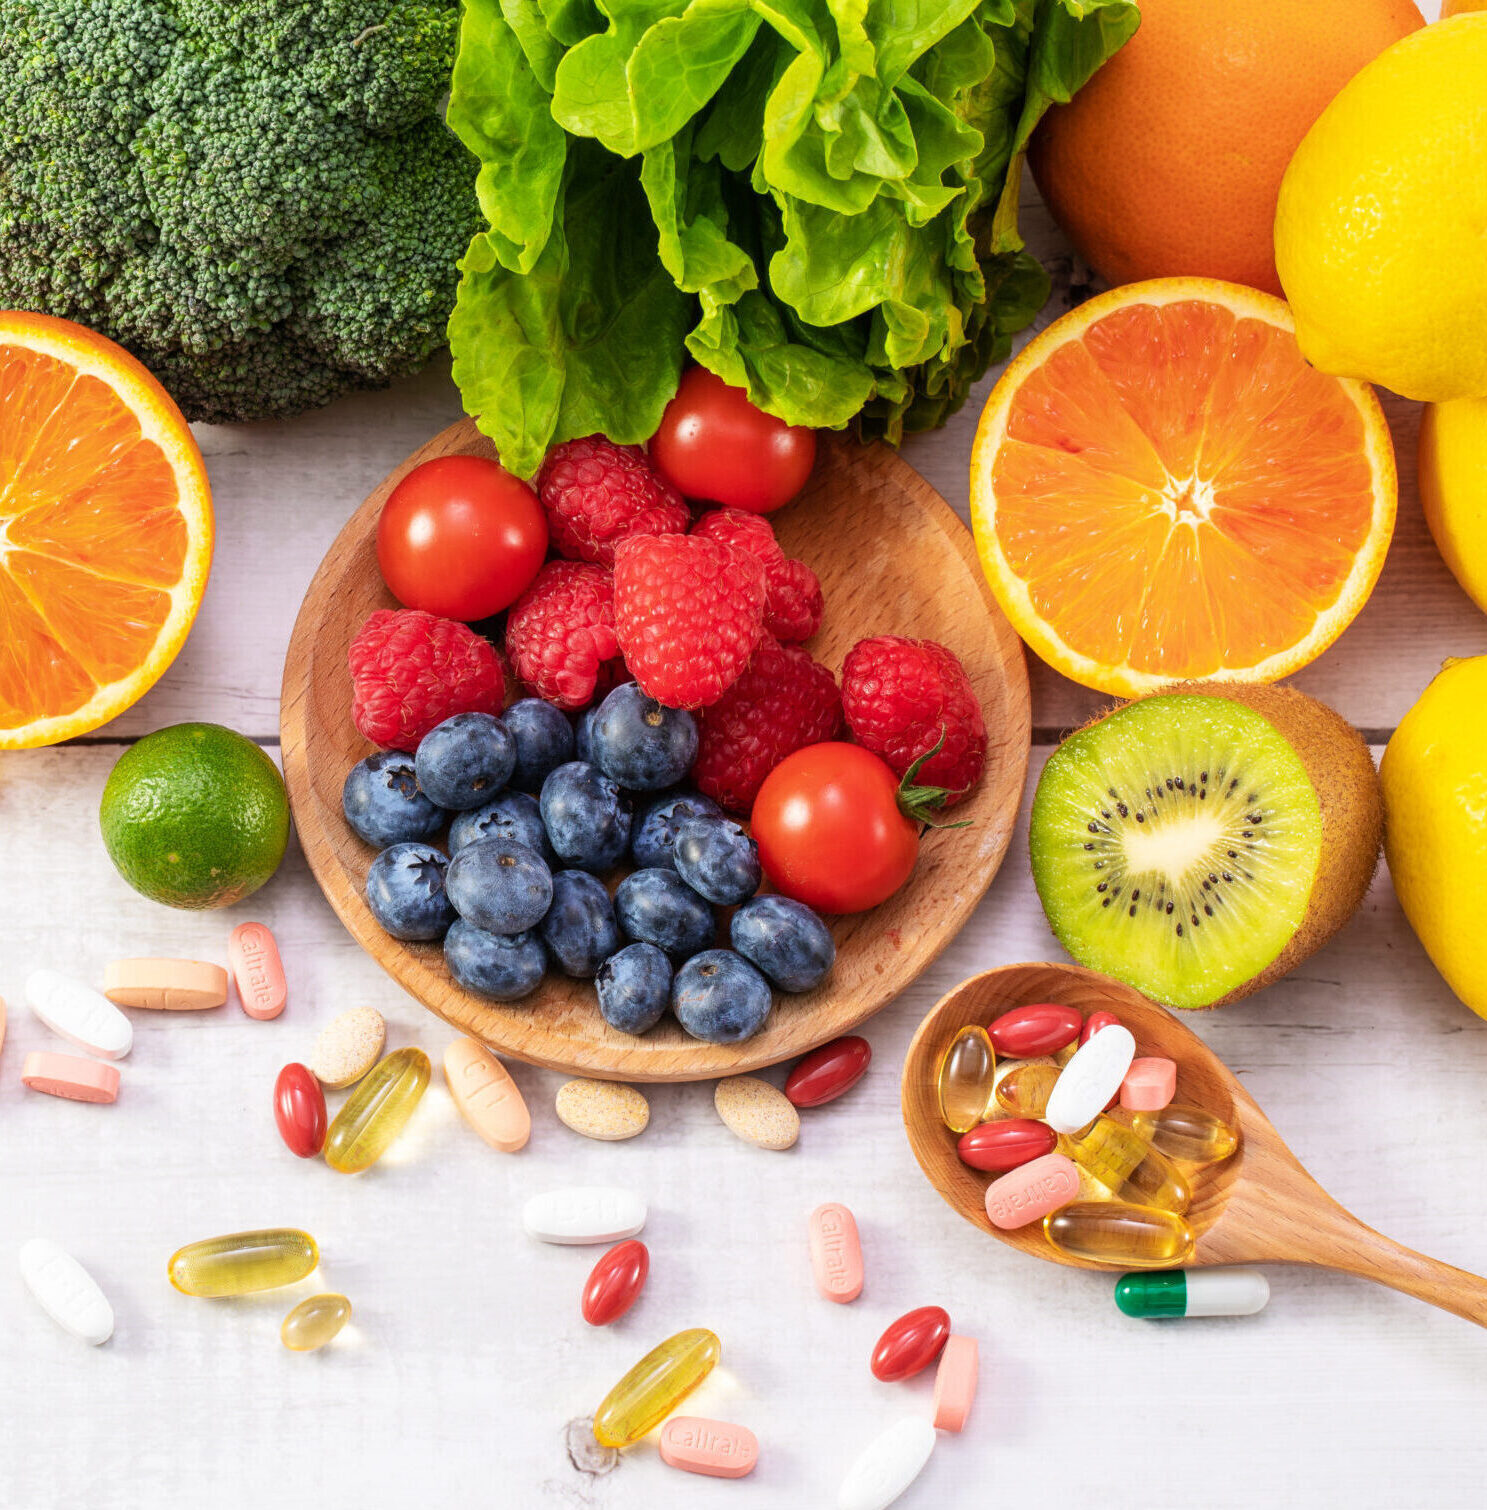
(105,530)
(1162,489)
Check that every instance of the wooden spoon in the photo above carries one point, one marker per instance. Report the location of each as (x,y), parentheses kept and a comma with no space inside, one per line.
(1259,1206)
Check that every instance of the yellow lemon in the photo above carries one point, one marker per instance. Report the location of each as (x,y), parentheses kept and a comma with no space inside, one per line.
(1453,488)
(1379,229)
(1434,775)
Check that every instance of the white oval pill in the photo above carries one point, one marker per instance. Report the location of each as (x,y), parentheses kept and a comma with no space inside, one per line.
(1088,1081)
(584,1214)
(79,1014)
(888,1465)
(66,1291)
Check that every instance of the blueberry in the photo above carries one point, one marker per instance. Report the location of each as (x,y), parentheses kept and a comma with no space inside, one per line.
(382,802)
(718,860)
(504,966)
(405,890)
(655,829)
(499,885)
(582,730)
(579,929)
(544,740)
(658,907)
(719,997)
(641,744)
(586,817)
(784,939)
(513,815)
(634,988)
(465,760)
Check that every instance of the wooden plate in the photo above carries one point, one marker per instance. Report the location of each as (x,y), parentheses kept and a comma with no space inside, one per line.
(893,559)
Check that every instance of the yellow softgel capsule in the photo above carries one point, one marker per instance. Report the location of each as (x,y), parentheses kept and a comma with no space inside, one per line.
(1187,1133)
(1024,1090)
(1113,1232)
(1108,1151)
(377,1111)
(1157,1181)
(964,1080)
(313,1322)
(656,1386)
(243,1262)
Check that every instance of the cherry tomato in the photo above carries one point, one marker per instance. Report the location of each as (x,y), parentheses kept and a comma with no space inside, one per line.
(460,537)
(714,444)
(299,1109)
(830,831)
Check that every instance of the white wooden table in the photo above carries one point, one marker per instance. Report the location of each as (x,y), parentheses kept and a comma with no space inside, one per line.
(467,1362)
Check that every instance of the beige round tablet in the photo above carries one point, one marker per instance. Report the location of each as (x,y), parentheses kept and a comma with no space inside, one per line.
(603,1109)
(349,1047)
(755,1111)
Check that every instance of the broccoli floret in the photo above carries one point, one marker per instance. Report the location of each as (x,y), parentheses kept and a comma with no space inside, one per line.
(259,198)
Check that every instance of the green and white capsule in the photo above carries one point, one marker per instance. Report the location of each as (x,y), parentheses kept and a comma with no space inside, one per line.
(1193,1292)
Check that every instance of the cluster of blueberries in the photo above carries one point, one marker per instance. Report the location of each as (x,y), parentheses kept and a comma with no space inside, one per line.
(537,812)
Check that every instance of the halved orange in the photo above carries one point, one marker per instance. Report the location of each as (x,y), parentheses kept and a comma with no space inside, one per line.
(105,530)
(1162,489)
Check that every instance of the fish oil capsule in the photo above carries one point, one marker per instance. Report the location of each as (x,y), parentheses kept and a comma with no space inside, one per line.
(967,1070)
(243,1262)
(656,1386)
(1187,1133)
(377,1111)
(1108,1151)
(314,1322)
(1113,1232)
(1193,1292)
(1025,1088)
(1157,1181)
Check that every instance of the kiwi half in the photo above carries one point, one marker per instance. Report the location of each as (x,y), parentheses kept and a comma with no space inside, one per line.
(1200,842)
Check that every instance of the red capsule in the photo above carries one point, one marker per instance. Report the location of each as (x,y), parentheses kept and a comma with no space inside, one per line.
(299,1109)
(828,1072)
(1026,1032)
(1000,1146)
(1094,1022)
(615,1282)
(911,1343)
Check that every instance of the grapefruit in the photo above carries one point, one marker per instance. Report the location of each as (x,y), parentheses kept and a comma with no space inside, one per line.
(105,530)
(1162,490)
(1168,161)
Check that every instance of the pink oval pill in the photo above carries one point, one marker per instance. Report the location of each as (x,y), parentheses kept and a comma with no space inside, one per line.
(1150,1084)
(720,1449)
(1029,1192)
(836,1253)
(257,970)
(955,1382)
(68,1076)
(486,1095)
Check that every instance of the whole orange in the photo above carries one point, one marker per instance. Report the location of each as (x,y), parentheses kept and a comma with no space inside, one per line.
(1460,7)
(1168,162)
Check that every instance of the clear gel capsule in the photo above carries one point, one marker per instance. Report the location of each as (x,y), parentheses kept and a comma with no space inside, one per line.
(1193,1292)
(655,1387)
(1187,1133)
(1025,1088)
(1113,1232)
(243,1262)
(967,1070)
(313,1322)
(377,1111)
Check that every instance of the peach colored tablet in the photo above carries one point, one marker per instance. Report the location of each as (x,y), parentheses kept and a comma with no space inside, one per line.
(165,985)
(719,1449)
(1150,1084)
(71,1077)
(955,1382)
(836,1253)
(486,1095)
(1029,1192)
(257,970)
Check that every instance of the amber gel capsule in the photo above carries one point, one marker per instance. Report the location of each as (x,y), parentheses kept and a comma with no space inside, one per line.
(967,1069)
(314,1322)
(656,1386)
(377,1111)
(1112,1232)
(243,1262)
(1188,1133)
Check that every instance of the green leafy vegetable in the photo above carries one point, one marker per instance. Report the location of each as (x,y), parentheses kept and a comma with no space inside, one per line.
(817,199)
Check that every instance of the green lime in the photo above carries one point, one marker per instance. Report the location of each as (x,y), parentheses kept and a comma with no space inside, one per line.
(195,816)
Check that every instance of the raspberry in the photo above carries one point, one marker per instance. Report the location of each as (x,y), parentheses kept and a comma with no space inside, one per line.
(560,632)
(902,697)
(782,703)
(793,600)
(411,670)
(597,493)
(689,612)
